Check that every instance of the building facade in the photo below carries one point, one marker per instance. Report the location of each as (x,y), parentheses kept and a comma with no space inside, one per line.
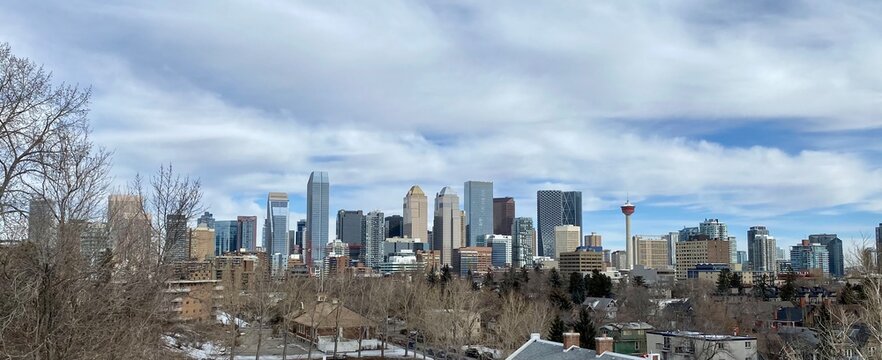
(571,208)
(206,219)
(501,249)
(549,214)
(593,240)
(416,214)
(686,345)
(350,226)
(276,231)
(478,210)
(580,261)
(374,235)
(834,248)
(395,226)
(247,236)
(522,237)
(317,197)
(810,257)
(652,251)
(449,230)
(475,260)
(503,215)
(177,238)
(202,242)
(566,238)
(226,237)
(700,251)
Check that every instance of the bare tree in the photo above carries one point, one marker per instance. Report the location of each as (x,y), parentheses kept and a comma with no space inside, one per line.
(518,318)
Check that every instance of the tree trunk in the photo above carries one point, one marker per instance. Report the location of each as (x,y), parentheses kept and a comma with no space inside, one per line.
(259,339)
(284,342)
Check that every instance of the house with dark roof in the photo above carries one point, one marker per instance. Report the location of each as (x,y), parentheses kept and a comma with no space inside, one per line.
(604,306)
(538,349)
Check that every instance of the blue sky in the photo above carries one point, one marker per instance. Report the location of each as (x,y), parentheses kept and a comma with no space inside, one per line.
(750,112)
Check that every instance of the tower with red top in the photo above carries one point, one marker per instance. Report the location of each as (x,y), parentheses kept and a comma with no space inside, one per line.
(630,247)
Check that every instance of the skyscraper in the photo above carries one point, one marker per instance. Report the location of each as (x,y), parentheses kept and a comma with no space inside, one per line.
(395,226)
(317,198)
(276,231)
(879,247)
(478,210)
(247,227)
(549,214)
(652,251)
(202,242)
(503,215)
(761,249)
(177,238)
(416,214)
(374,235)
(714,229)
(129,228)
(593,240)
(834,250)
(448,230)
(226,237)
(350,226)
(301,232)
(566,238)
(207,218)
(672,238)
(522,234)
(808,257)
(572,209)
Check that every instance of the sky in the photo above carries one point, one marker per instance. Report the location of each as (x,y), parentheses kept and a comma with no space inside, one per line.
(752,112)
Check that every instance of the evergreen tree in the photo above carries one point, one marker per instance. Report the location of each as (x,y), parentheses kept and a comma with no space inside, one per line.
(488,280)
(638,281)
(554,278)
(585,327)
(597,284)
(556,329)
(560,299)
(525,275)
(724,281)
(432,277)
(446,274)
(788,290)
(735,281)
(762,287)
(577,287)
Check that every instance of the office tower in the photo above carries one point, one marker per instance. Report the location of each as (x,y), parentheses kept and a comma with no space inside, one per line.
(94,240)
(276,231)
(448,227)
(395,226)
(129,229)
(619,260)
(780,254)
(416,214)
(631,248)
(742,258)
(549,214)
(301,233)
(879,247)
(501,251)
(652,251)
(700,250)
(522,235)
(581,261)
(374,235)
(714,229)
(503,215)
(474,260)
(207,218)
(672,238)
(350,226)
(177,236)
(247,236)
(566,238)
(755,254)
(593,240)
(478,210)
(571,208)
(226,235)
(687,233)
(42,225)
(810,257)
(292,243)
(202,242)
(834,250)
(607,258)
(316,217)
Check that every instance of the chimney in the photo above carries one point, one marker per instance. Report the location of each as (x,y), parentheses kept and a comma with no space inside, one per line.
(570,339)
(603,344)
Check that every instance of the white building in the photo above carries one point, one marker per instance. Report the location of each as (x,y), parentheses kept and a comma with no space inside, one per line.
(501,245)
(402,261)
(687,345)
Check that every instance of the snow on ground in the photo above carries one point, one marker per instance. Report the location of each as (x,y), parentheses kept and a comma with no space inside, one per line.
(225,319)
(201,351)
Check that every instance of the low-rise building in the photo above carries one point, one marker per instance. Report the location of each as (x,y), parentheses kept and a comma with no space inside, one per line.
(687,345)
(403,261)
(628,338)
(569,349)
(193,300)
(603,307)
(474,259)
(583,262)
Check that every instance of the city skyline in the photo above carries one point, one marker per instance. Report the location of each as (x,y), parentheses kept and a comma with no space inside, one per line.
(528,107)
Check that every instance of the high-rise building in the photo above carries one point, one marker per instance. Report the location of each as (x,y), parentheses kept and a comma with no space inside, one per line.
(808,257)
(593,240)
(879,247)
(207,218)
(448,230)
(301,233)
(652,251)
(566,239)
(129,228)
(580,261)
(226,237)
(247,227)
(350,226)
(522,234)
(687,233)
(177,236)
(780,254)
(630,247)
(571,208)
(416,214)
(202,242)
(700,250)
(672,238)
(503,215)
(714,229)
(501,249)
(395,226)
(94,240)
(374,235)
(276,231)
(619,259)
(42,224)
(475,260)
(761,249)
(834,250)
(317,198)
(742,258)
(549,214)
(478,210)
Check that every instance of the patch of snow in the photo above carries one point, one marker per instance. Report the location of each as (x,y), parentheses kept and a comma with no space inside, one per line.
(225,319)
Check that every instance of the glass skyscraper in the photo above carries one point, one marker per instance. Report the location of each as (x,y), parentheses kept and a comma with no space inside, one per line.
(316,217)
(478,210)
(276,237)
(522,233)
(549,214)
(350,226)
(247,232)
(226,237)
(834,250)
(572,209)
(374,236)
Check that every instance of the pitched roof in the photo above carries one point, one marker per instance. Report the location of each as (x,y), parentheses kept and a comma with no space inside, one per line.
(536,348)
(597,303)
(325,315)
